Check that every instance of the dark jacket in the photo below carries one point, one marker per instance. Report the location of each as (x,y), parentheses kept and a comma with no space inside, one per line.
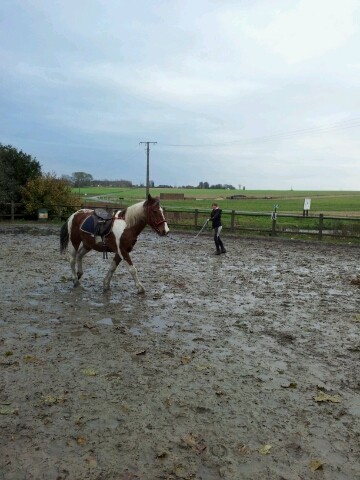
(215,217)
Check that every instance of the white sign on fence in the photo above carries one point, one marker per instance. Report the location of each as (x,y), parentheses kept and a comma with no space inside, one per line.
(307,203)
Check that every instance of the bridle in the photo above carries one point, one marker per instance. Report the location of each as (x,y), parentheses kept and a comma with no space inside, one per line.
(154,224)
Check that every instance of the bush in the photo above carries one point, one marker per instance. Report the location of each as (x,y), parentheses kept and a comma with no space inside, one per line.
(48,191)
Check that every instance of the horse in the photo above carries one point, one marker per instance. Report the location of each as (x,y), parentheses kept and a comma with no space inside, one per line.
(125,226)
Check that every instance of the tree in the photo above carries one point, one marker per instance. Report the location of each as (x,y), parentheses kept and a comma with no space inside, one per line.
(67,178)
(16,168)
(81,179)
(48,191)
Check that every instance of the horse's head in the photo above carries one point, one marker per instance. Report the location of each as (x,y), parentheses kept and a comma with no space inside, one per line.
(155,216)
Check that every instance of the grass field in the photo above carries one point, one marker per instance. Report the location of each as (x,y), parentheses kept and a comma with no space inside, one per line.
(251,214)
(339,203)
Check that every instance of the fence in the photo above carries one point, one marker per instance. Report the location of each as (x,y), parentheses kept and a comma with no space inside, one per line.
(235,222)
(11,211)
(270,223)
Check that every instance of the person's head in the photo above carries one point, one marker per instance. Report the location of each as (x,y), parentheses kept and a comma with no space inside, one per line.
(214,206)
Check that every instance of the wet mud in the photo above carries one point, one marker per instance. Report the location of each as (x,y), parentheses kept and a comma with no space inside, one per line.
(238,366)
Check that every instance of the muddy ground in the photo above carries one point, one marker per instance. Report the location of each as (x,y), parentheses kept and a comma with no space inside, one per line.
(239,366)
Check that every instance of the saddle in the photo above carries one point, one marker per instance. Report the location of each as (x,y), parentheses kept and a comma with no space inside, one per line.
(98,224)
(103,222)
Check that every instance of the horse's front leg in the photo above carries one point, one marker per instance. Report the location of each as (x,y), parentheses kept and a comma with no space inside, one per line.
(115,262)
(133,272)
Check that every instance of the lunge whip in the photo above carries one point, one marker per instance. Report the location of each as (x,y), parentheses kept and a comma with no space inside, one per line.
(202,228)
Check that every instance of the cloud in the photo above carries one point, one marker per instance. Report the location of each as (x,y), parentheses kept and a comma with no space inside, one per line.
(83,86)
(307,30)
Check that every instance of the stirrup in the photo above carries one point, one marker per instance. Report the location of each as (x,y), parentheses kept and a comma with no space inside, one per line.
(98,240)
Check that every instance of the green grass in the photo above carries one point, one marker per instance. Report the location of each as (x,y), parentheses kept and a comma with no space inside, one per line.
(339,203)
(254,210)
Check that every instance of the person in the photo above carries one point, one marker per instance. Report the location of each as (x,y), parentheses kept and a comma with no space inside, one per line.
(215,217)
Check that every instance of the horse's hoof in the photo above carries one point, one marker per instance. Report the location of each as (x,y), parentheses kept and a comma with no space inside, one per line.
(79,275)
(76,284)
(141,291)
(106,289)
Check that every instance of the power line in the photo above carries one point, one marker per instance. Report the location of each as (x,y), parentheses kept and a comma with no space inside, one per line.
(344,125)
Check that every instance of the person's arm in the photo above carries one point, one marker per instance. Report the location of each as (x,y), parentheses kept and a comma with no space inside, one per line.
(215,214)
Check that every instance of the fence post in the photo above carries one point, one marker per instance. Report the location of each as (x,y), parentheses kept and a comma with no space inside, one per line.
(321,225)
(12,210)
(273,227)
(232,220)
(273,224)
(196,217)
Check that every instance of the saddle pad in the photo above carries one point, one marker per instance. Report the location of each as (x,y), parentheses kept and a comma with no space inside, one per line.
(88,225)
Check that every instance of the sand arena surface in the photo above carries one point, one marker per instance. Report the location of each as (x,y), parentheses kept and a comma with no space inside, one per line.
(240,366)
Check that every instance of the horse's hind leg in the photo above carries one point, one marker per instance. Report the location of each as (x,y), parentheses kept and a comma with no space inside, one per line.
(72,255)
(115,262)
(76,257)
(79,256)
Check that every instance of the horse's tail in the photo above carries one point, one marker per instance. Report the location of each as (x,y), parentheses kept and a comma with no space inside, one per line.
(64,237)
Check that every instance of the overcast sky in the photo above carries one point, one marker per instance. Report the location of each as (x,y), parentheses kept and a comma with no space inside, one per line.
(263,94)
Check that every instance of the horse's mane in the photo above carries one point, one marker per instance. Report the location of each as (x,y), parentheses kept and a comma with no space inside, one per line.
(133,214)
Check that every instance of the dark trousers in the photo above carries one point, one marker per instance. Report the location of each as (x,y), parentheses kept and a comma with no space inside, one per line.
(218,243)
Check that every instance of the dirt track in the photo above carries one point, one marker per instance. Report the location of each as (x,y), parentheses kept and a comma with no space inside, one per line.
(241,367)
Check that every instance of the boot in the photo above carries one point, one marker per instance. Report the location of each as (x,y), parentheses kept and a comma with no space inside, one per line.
(218,252)
(223,250)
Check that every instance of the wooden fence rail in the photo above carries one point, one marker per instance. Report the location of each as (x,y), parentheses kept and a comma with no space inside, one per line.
(268,223)
(236,222)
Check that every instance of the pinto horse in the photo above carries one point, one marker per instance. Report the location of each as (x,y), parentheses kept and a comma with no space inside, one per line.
(126,226)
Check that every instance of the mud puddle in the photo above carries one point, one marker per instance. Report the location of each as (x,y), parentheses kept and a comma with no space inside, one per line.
(243,366)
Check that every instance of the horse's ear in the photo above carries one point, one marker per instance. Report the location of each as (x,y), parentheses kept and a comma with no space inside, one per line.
(148,201)
(151,200)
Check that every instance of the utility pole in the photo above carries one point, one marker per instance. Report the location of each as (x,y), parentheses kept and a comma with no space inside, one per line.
(147,165)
